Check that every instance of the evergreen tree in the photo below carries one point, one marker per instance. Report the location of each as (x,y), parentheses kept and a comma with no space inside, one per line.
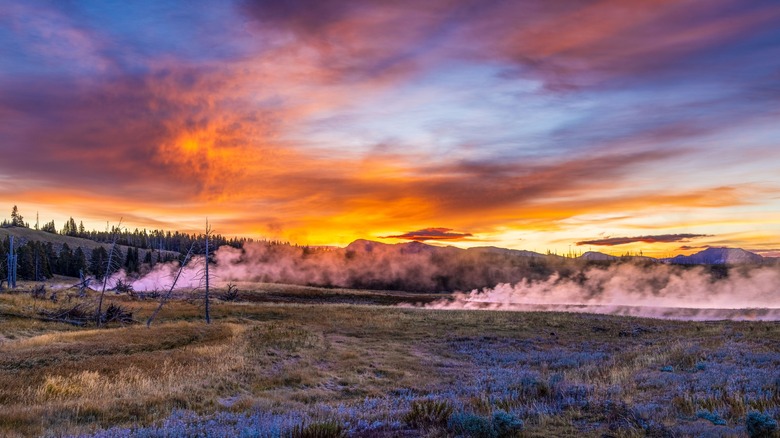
(97,263)
(33,263)
(40,261)
(5,244)
(128,264)
(64,260)
(49,227)
(78,263)
(131,260)
(51,258)
(70,228)
(16,219)
(26,263)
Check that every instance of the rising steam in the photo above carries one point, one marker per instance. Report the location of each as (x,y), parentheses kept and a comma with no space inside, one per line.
(660,291)
(497,281)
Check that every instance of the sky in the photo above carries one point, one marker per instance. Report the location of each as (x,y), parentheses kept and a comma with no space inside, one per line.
(567,126)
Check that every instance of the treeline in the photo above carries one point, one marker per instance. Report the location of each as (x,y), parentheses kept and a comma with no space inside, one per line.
(39,261)
(159,240)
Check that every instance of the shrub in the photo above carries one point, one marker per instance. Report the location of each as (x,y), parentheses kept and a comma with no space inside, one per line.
(735,403)
(620,416)
(39,292)
(425,413)
(506,424)
(472,425)
(123,287)
(713,417)
(231,294)
(325,429)
(686,359)
(116,313)
(760,425)
(684,404)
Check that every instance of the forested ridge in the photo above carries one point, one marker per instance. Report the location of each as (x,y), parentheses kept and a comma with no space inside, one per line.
(41,255)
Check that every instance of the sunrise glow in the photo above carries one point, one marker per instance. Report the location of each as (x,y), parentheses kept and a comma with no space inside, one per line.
(562,126)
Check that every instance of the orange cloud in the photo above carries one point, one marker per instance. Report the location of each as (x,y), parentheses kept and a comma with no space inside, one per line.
(255,140)
(430,234)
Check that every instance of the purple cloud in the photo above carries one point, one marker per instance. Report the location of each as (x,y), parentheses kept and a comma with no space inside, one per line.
(658,238)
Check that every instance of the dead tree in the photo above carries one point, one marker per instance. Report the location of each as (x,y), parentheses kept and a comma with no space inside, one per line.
(167,296)
(12,263)
(208,234)
(83,283)
(107,274)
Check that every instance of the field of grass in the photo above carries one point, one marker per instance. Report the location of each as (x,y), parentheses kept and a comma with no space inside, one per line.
(290,361)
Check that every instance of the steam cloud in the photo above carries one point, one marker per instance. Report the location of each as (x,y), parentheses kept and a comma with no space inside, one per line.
(519,283)
(659,291)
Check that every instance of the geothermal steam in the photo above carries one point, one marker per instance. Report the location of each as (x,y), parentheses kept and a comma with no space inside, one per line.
(660,291)
(518,283)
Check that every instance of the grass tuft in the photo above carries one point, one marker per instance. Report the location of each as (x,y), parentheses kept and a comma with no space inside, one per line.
(428,413)
(323,429)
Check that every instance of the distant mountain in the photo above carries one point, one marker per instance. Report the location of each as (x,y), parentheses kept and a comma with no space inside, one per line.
(419,248)
(417,266)
(370,246)
(717,256)
(640,258)
(505,251)
(597,256)
(710,256)
(362,245)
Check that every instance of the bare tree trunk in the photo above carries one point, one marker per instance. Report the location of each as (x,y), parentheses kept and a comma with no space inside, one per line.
(208,233)
(15,266)
(9,268)
(99,313)
(83,283)
(12,261)
(167,296)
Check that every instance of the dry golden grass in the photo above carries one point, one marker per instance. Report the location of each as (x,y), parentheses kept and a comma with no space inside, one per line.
(58,379)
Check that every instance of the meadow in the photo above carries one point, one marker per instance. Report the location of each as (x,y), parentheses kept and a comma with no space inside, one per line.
(288,361)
